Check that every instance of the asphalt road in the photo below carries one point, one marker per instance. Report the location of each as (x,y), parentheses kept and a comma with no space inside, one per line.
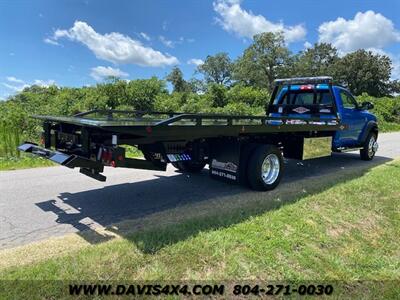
(44,202)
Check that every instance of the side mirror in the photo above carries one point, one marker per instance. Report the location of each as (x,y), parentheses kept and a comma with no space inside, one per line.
(366,106)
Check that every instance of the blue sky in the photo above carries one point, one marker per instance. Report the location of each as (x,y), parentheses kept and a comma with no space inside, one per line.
(75,43)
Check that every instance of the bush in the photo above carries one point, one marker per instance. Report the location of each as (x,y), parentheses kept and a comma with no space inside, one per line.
(216,93)
(387,109)
(142,93)
(251,96)
(239,109)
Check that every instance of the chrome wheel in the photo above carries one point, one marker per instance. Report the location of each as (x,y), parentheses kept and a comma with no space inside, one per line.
(270,169)
(372,146)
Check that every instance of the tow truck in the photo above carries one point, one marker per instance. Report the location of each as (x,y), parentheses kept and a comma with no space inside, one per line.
(305,118)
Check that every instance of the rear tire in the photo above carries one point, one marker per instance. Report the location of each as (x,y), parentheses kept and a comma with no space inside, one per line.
(370,147)
(265,168)
(189,166)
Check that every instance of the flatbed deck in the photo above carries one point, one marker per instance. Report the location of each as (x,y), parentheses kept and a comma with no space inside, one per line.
(167,126)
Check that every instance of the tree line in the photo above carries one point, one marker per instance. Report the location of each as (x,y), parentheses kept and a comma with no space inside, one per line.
(268,58)
(239,86)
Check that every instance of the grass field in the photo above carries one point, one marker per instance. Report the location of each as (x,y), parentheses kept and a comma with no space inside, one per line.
(388,127)
(23,162)
(347,229)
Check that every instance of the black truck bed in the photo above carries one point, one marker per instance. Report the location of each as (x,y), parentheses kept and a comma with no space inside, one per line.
(155,126)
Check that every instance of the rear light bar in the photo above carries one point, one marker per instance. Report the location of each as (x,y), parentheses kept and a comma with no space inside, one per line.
(306,87)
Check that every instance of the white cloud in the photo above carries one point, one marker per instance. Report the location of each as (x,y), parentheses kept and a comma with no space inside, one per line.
(51,41)
(366,30)
(18,85)
(99,73)
(13,79)
(14,84)
(44,83)
(171,44)
(166,42)
(165,25)
(233,18)
(307,45)
(145,36)
(195,61)
(15,88)
(115,47)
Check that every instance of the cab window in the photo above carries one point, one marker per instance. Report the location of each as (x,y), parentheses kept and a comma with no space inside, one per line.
(347,100)
(306,98)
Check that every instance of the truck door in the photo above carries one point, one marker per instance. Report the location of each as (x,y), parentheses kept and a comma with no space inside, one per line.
(352,116)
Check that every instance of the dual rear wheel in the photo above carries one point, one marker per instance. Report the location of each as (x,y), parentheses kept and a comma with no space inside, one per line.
(264,168)
(265,164)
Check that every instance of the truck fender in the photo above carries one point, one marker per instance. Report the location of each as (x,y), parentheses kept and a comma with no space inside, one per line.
(370,126)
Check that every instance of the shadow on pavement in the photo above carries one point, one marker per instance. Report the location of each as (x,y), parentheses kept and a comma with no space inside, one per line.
(131,202)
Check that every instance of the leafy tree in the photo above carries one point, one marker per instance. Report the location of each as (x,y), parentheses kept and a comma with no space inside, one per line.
(216,93)
(197,103)
(197,85)
(364,71)
(114,91)
(177,81)
(142,93)
(394,87)
(217,68)
(319,60)
(263,61)
(169,103)
(252,96)
(387,109)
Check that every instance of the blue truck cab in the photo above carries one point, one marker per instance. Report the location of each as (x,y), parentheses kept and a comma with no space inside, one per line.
(317,97)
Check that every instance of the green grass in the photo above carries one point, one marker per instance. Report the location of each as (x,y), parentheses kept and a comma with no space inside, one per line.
(388,126)
(347,230)
(10,138)
(23,162)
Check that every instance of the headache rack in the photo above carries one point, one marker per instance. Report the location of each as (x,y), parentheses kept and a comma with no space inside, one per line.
(306,84)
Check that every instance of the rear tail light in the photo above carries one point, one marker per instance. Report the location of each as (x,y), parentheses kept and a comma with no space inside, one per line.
(111,156)
(106,155)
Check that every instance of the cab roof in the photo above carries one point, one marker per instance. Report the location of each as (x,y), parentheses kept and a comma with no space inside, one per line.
(303,80)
